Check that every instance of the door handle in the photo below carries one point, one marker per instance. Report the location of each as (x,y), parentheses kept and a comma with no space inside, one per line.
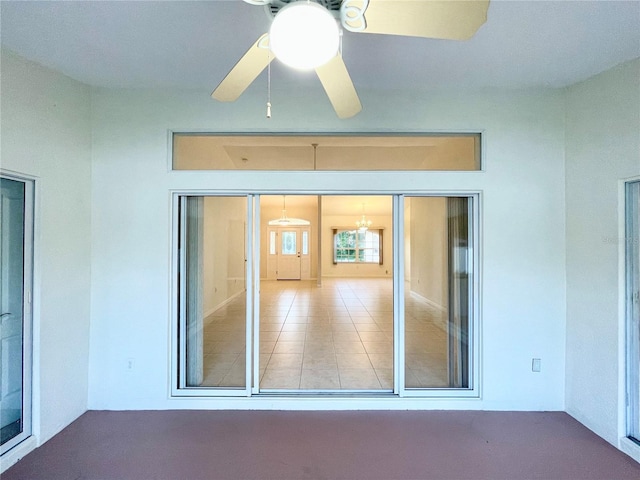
(6,314)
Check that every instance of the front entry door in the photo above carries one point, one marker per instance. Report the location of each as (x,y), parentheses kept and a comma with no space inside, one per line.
(289,253)
(15,248)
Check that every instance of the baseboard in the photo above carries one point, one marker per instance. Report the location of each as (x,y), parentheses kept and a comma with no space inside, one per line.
(431,303)
(14,455)
(227,301)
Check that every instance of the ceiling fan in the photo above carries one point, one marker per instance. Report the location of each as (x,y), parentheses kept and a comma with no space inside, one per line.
(305,34)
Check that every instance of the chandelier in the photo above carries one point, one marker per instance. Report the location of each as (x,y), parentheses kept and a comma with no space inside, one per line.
(363,224)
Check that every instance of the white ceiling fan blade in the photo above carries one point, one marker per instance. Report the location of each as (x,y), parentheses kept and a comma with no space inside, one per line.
(337,83)
(244,72)
(447,19)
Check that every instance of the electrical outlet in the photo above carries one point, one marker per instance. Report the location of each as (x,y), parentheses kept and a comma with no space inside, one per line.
(535,364)
(129,364)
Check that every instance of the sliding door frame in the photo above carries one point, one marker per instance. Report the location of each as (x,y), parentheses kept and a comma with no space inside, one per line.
(177,339)
(474,254)
(632,316)
(252,387)
(28,309)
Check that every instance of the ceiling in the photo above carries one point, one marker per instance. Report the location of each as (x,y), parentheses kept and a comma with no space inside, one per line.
(193,44)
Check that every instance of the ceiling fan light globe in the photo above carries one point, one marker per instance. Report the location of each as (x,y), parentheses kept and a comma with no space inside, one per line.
(304,35)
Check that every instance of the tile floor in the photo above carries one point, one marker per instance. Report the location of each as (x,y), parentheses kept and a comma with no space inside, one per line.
(335,337)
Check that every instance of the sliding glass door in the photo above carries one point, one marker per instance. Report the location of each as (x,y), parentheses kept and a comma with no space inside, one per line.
(16,237)
(392,311)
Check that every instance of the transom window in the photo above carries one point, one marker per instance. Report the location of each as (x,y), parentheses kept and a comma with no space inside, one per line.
(357,246)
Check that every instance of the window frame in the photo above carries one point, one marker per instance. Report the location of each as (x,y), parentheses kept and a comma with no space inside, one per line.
(337,230)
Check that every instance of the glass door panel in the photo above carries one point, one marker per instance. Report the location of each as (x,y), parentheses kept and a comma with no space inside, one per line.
(15,271)
(214,292)
(437,283)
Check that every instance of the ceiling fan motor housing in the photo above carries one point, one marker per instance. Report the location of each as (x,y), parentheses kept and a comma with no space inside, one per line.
(273,6)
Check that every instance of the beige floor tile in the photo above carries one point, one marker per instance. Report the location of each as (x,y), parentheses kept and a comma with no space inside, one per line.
(312,345)
(340,324)
(349,347)
(358,379)
(285,360)
(296,319)
(385,377)
(343,327)
(367,327)
(346,337)
(373,336)
(378,347)
(268,336)
(294,327)
(359,319)
(270,327)
(281,378)
(381,360)
(223,347)
(309,361)
(288,347)
(353,360)
(267,347)
(214,375)
(292,336)
(320,379)
(341,319)
(219,359)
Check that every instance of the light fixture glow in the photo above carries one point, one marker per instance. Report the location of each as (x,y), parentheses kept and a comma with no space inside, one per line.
(304,35)
(363,224)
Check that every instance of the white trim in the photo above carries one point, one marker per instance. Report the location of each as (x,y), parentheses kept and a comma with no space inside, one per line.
(630,447)
(16,454)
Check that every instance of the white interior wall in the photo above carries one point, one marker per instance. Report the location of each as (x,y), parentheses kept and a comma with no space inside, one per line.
(602,148)
(523,247)
(223,250)
(429,258)
(46,134)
